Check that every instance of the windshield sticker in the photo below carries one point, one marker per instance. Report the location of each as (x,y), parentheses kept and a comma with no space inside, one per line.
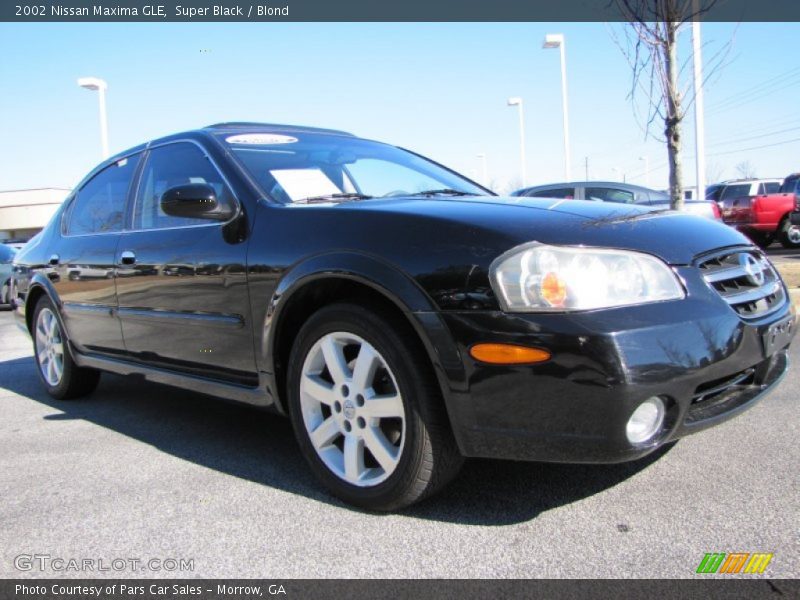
(260,138)
(304,183)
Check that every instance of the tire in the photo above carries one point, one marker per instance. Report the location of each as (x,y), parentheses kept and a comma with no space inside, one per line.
(789,234)
(761,239)
(401,450)
(63,379)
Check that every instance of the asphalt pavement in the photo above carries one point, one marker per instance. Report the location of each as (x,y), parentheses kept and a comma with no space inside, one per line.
(139,471)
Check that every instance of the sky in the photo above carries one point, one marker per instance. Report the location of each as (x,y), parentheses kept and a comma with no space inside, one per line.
(439,89)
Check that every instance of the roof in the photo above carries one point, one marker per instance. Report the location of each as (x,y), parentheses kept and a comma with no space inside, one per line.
(273,127)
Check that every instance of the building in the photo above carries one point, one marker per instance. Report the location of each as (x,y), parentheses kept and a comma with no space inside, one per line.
(23,213)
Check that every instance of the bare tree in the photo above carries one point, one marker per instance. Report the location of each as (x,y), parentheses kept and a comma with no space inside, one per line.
(651,47)
(746,170)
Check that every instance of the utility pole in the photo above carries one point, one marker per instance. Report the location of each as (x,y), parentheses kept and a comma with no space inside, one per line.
(586,164)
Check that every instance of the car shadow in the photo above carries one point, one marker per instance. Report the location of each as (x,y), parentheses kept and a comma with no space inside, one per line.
(260,447)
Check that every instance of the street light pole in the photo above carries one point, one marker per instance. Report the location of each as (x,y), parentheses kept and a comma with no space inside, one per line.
(517,101)
(100,86)
(482,157)
(556,40)
(699,115)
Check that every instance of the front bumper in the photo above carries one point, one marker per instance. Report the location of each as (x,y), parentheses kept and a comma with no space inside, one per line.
(706,362)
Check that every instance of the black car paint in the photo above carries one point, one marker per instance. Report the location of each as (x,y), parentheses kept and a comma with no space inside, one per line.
(205,311)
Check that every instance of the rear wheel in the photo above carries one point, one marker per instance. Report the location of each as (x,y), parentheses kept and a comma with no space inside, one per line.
(366,409)
(63,379)
(789,234)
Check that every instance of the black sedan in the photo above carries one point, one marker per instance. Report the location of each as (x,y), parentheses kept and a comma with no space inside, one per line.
(401,315)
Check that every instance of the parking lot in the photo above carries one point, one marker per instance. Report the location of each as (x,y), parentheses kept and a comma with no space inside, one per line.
(144,471)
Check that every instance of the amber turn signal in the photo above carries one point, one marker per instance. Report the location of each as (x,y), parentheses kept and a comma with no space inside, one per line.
(508,354)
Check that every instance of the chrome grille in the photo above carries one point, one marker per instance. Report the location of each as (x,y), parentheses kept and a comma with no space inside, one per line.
(746,280)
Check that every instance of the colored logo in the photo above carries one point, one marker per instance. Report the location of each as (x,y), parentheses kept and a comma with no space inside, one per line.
(734,562)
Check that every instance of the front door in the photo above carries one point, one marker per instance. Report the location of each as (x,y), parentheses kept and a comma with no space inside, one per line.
(182,285)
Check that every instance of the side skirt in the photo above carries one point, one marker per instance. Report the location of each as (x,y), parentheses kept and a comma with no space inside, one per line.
(255,396)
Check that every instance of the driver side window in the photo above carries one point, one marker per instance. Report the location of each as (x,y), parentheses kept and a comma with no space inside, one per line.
(169,166)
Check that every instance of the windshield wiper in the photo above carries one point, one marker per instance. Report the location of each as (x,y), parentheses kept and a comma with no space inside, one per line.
(329,197)
(444,191)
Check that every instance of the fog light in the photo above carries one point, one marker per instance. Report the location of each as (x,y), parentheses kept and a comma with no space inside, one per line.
(646,420)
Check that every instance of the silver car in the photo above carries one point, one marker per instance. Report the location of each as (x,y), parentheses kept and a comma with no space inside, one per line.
(6,258)
(619,193)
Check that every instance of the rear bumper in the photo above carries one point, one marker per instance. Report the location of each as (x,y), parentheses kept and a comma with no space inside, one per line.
(700,357)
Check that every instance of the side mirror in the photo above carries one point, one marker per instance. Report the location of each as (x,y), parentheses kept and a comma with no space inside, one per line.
(194,201)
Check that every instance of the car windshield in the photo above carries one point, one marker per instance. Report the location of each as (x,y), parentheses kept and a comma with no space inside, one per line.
(311,167)
(789,184)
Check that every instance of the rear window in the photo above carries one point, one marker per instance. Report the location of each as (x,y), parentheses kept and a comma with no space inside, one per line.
(772,187)
(100,204)
(567,193)
(735,191)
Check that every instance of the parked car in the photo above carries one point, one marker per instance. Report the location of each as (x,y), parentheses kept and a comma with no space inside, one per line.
(761,209)
(402,316)
(6,259)
(619,193)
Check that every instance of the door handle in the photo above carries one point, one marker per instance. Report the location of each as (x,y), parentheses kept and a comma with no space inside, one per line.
(127,258)
(54,258)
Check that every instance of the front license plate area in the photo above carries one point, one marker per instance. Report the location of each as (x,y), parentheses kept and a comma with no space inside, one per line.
(777,335)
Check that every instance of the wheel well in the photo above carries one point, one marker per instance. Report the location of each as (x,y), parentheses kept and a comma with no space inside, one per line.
(30,304)
(320,293)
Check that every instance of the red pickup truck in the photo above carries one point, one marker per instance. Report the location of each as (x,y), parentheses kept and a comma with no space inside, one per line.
(766,217)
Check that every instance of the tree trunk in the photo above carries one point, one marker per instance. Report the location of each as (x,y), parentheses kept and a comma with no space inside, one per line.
(672,122)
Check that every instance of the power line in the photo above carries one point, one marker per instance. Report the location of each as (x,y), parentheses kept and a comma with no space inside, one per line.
(660,166)
(754,137)
(756,147)
(758,87)
(749,98)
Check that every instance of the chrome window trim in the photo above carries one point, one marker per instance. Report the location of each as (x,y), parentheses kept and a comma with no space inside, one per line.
(145,152)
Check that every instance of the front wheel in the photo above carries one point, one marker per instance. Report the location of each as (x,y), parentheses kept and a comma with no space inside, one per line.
(57,370)
(366,409)
(789,234)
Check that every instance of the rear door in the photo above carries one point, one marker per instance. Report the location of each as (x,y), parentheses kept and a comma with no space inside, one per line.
(182,288)
(82,261)
(609,194)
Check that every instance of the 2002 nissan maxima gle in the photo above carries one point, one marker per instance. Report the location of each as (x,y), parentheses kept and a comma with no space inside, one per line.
(401,315)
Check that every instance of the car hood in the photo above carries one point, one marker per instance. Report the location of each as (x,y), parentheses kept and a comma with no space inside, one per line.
(674,237)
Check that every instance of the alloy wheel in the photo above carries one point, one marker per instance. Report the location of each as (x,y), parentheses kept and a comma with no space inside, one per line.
(49,347)
(352,409)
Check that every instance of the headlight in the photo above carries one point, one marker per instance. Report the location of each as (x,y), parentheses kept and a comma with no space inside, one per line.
(540,278)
